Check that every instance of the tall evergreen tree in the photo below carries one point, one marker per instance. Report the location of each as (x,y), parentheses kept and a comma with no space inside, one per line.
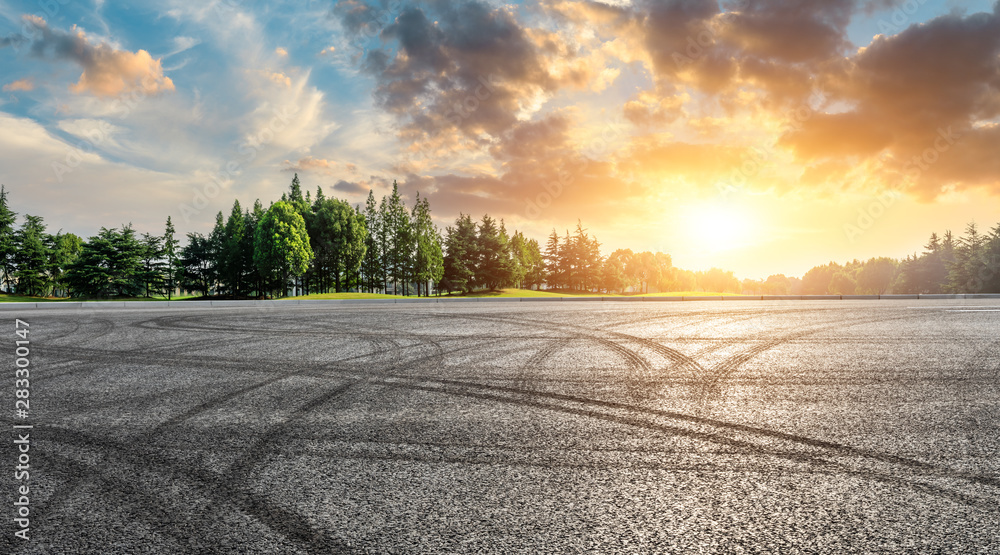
(967,269)
(491,252)
(460,255)
(31,257)
(553,269)
(109,265)
(154,269)
(198,261)
(171,255)
(255,278)
(234,270)
(399,234)
(428,258)
(534,275)
(372,268)
(7,243)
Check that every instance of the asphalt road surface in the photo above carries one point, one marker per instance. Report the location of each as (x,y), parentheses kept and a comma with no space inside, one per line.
(712,427)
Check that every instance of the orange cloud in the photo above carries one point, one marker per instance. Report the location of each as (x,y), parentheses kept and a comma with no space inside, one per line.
(107,71)
(26,84)
(310,164)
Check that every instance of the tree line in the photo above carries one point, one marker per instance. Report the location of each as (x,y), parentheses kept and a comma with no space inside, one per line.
(968,264)
(315,244)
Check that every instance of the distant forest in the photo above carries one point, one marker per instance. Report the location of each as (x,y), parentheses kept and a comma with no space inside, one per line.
(305,244)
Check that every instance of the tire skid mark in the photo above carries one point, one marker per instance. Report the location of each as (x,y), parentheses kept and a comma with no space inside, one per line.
(149,507)
(730,365)
(835,449)
(215,488)
(678,358)
(287,523)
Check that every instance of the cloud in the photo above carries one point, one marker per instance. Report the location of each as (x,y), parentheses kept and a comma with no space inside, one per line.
(309,164)
(107,71)
(26,84)
(276,77)
(327,50)
(351,188)
(929,122)
(458,71)
(280,51)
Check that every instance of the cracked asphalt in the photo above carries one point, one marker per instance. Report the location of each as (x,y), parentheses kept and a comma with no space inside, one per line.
(612,427)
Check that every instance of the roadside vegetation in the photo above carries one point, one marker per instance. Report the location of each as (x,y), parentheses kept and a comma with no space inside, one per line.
(310,246)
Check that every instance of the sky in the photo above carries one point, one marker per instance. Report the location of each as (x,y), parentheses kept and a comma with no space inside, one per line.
(759,136)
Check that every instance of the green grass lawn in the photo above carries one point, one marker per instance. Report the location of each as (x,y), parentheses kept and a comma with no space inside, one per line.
(347,296)
(532,293)
(524,293)
(6,298)
(690,294)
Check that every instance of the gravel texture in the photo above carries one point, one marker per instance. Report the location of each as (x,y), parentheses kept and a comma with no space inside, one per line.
(792,427)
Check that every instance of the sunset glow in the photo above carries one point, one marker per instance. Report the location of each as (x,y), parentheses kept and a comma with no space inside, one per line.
(720,227)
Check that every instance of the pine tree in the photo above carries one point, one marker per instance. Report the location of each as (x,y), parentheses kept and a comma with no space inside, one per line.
(428,258)
(217,256)
(153,267)
(491,254)
(399,235)
(234,269)
(170,253)
(254,278)
(553,270)
(7,243)
(31,257)
(460,255)
(372,262)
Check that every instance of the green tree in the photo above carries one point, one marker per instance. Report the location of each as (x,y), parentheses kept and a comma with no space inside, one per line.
(31,257)
(64,251)
(520,259)
(876,276)
(460,255)
(534,274)
(491,269)
(842,283)
(554,274)
(233,269)
(615,271)
(198,263)
(968,266)
(817,280)
(109,265)
(154,269)
(338,235)
(398,232)
(254,278)
(281,245)
(171,254)
(8,246)
(647,270)
(428,260)
(372,269)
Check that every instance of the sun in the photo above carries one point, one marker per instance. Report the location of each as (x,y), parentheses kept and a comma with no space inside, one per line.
(719,227)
